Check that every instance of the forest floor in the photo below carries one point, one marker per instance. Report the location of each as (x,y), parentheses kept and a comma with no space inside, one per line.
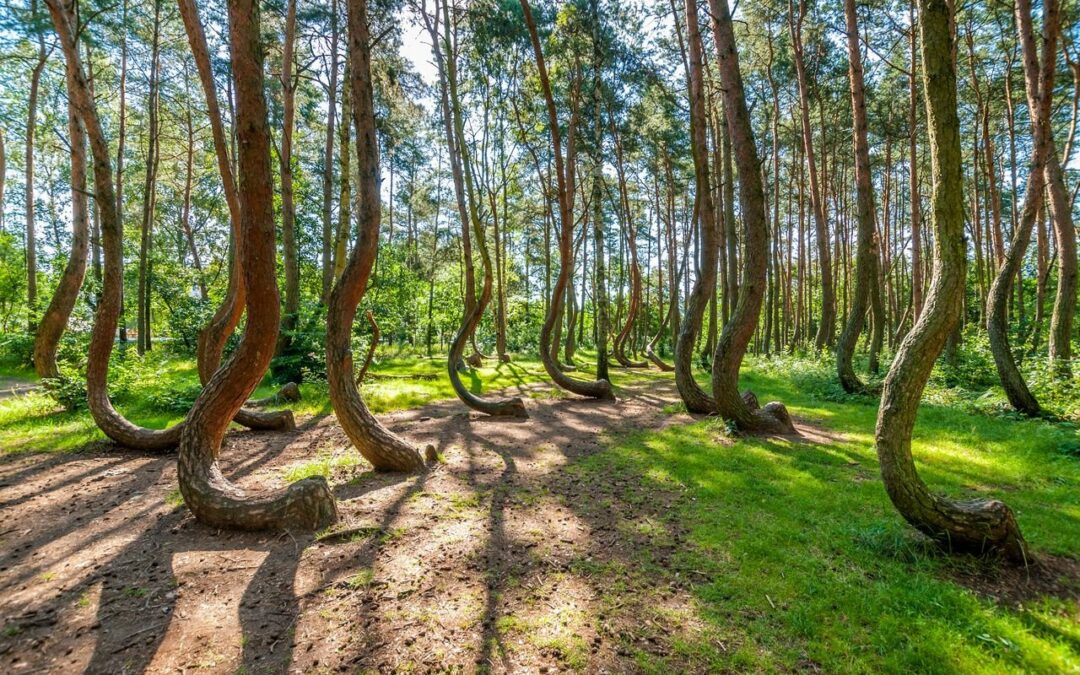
(593,536)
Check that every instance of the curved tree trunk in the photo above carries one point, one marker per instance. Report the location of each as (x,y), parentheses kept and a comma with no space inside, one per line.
(619,345)
(114,425)
(866,256)
(461,169)
(738,331)
(969,525)
(213,337)
(697,399)
(307,504)
(565,177)
(54,321)
(384,449)
(1039,87)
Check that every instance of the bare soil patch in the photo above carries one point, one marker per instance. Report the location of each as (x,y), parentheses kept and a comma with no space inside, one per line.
(489,561)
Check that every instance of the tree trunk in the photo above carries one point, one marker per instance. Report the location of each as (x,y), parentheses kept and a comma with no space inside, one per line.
(107,315)
(54,321)
(185,216)
(149,189)
(866,256)
(630,228)
(288,207)
(344,227)
(565,179)
(731,347)
(216,502)
(461,167)
(384,449)
(1039,86)
(970,525)
(213,337)
(328,238)
(600,290)
(697,400)
(121,140)
(3,176)
(31,127)
(827,326)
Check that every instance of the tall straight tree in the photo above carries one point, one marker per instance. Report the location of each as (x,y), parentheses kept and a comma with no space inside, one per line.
(146,232)
(212,498)
(968,525)
(827,326)
(31,129)
(288,206)
(328,162)
(600,290)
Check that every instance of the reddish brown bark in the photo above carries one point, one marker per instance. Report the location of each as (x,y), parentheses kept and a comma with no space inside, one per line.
(384,449)
(54,320)
(213,337)
(307,504)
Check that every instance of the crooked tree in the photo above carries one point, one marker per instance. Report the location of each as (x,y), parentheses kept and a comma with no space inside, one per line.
(969,525)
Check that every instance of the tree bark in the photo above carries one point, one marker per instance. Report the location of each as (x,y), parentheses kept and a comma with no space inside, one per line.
(971,525)
(1039,87)
(697,400)
(114,425)
(328,238)
(213,337)
(600,290)
(216,502)
(866,256)
(384,449)
(31,127)
(565,179)
(146,232)
(734,339)
(54,321)
(288,207)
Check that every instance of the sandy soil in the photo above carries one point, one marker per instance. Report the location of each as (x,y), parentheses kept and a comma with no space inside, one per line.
(481,563)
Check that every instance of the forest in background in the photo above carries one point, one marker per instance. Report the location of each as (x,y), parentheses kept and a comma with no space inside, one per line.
(512,305)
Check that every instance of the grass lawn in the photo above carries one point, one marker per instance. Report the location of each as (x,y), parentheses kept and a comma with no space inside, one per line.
(157,390)
(798,560)
(794,557)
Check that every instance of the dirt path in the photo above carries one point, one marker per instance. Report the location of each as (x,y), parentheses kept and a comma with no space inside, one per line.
(485,562)
(14,386)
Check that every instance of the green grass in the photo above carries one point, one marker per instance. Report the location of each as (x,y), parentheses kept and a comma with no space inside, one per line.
(157,390)
(799,558)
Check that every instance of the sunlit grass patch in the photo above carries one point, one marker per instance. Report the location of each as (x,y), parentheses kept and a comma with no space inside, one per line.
(800,561)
